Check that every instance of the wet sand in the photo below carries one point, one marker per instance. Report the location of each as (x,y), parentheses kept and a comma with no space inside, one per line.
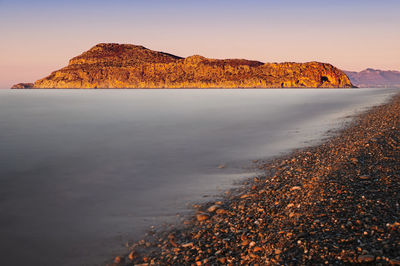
(336,203)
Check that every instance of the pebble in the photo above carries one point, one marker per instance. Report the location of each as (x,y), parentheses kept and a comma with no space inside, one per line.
(354,160)
(278,251)
(118,259)
(213,208)
(221,211)
(257,249)
(202,217)
(132,255)
(365,258)
(394,261)
(187,245)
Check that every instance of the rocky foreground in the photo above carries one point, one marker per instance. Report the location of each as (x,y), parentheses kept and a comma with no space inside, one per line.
(337,203)
(111,65)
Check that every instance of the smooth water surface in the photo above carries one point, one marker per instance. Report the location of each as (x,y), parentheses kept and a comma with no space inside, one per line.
(82,171)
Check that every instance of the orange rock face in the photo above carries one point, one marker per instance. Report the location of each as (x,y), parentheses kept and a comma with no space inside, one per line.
(131,66)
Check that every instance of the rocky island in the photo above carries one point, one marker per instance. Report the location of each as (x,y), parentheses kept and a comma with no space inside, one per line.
(22,86)
(111,65)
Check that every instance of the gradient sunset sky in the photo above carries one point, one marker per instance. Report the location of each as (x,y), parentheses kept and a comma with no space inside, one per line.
(40,36)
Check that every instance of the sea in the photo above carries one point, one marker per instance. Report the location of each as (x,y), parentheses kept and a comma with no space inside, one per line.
(83,172)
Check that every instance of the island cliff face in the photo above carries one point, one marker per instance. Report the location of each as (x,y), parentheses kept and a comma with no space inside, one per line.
(110,65)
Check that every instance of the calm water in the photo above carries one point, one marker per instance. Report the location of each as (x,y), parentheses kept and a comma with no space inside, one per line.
(82,171)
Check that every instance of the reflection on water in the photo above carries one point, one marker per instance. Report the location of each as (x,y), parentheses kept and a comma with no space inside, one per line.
(82,171)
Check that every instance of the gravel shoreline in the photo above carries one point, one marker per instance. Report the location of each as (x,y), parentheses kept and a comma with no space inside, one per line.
(337,203)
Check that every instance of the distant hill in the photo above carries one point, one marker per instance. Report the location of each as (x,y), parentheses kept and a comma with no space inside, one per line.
(22,86)
(111,65)
(374,78)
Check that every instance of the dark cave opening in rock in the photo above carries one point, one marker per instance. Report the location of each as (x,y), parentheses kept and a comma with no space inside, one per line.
(324,79)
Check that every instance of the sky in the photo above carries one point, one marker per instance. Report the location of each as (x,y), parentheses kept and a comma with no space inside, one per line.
(40,36)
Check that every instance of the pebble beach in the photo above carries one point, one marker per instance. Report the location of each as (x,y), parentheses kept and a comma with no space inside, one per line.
(336,203)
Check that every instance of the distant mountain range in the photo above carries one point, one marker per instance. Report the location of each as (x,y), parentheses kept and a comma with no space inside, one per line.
(369,78)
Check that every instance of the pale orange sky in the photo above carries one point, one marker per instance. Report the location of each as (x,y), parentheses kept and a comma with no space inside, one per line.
(40,37)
